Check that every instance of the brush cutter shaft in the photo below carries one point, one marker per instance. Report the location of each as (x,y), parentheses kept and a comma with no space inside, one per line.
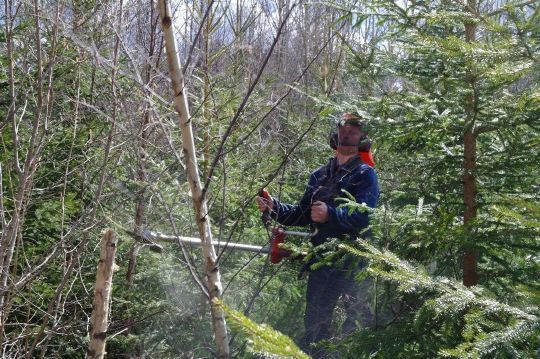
(197,242)
(301,234)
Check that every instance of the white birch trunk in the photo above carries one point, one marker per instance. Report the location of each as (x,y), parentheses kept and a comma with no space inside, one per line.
(102,295)
(211,270)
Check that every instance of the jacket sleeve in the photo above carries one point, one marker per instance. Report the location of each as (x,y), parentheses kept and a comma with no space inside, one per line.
(298,214)
(365,190)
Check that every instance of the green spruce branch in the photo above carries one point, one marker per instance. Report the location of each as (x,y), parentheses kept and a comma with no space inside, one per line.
(492,324)
(262,338)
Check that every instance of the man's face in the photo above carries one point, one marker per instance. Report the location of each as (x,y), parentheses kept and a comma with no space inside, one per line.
(349,136)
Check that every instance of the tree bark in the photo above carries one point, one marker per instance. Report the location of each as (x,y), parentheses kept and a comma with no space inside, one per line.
(470,256)
(207,118)
(211,270)
(102,296)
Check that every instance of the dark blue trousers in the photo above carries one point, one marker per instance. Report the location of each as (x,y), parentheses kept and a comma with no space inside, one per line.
(325,286)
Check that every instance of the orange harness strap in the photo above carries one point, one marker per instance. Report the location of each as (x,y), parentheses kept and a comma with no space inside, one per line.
(367,158)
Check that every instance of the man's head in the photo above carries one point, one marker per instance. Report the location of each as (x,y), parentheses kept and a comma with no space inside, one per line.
(351,134)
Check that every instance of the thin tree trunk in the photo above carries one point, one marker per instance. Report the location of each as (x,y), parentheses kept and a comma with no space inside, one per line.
(102,296)
(211,270)
(141,195)
(470,256)
(207,119)
(10,64)
(141,200)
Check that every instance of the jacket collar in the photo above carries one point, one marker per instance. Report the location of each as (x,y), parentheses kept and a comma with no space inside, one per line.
(334,168)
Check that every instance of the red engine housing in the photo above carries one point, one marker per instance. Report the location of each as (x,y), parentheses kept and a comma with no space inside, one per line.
(276,253)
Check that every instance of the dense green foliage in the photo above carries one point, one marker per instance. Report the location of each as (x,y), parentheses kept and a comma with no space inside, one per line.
(418,124)
(99,139)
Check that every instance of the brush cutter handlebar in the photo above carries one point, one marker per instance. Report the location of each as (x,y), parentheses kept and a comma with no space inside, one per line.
(265,217)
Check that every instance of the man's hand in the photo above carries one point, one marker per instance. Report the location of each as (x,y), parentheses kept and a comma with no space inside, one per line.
(264,204)
(319,212)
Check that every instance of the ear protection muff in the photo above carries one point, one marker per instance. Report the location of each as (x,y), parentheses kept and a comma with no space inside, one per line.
(333,140)
(364,144)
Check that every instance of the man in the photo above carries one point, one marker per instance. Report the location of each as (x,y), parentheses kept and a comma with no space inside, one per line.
(317,209)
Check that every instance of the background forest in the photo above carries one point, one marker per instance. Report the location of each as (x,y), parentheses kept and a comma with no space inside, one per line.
(89,139)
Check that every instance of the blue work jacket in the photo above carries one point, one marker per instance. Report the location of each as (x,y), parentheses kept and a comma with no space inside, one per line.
(325,184)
